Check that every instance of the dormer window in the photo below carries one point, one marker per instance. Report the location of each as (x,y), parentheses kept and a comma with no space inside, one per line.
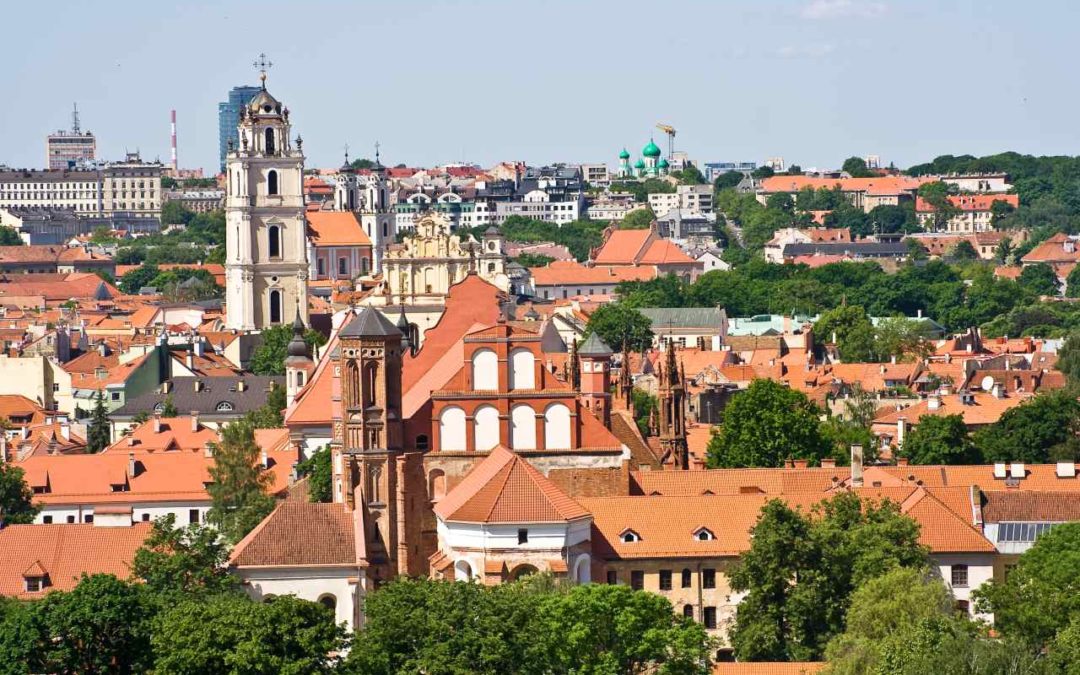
(629,537)
(224,406)
(704,534)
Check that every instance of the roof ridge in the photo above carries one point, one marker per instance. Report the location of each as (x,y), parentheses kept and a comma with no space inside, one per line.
(509,469)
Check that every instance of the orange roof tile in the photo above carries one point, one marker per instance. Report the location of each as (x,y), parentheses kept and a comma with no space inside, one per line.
(564,272)
(769,668)
(503,488)
(336,228)
(665,252)
(877,185)
(986,409)
(65,552)
(979,202)
(301,534)
(624,247)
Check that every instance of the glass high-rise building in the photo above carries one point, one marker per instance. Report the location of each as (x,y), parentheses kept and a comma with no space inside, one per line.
(229,118)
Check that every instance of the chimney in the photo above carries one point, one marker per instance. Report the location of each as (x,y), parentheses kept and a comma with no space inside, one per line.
(241,385)
(1066,470)
(996,391)
(901,461)
(881,369)
(208,449)
(198,385)
(901,431)
(892,359)
(25,433)
(166,386)
(856,466)
(933,402)
(1016,470)
(157,423)
(194,421)
(801,463)
(65,431)
(131,441)
(189,361)
(264,459)
(131,464)
(198,347)
(828,463)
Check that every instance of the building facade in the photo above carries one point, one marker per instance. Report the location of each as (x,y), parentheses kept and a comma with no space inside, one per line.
(229,117)
(266,263)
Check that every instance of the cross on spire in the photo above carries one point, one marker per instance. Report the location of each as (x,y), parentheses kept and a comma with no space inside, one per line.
(376,152)
(262,64)
(346,154)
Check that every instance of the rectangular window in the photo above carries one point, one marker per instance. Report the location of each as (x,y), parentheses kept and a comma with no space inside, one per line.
(193,516)
(71,519)
(33,584)
(959,576)
(612,577)
(709,617)
(523,536)
(320,266)
(146,517)
(47,520)
(637,579)
(115,396)
(686,577)
(708,578)
(342,266)
(88,518)
(665,580)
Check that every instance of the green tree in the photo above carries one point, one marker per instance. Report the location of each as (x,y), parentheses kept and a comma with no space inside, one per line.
(645,407)
(897,602)
(362,163)
(100,626)
(963,250)
(98,433)
(533,260)
(1004,251)
(901,337)
(1041,595)
(175,213)
(1040,279)
(269,357)
(231,635)
(319,473)
(269,415)
(175,562)
(690,175)
(728,179)
(1040,430)
(16,498)
(1069,357)
(765,425)
(168,408)
(238,491)
(618,324)
(801,570)
(763,172)
(999,209)
(936,194)
(940,439)
(22,638)
(9,237)
(851,330)
(856,168)
(638,219)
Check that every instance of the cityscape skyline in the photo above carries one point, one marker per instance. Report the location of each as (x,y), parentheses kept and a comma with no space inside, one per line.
(447,97)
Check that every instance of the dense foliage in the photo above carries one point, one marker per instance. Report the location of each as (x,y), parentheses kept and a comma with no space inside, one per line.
(620,326)
(580,236)
(530,626)
(269,357)
(16,497)
(828,554)
(319,473)
(239,483)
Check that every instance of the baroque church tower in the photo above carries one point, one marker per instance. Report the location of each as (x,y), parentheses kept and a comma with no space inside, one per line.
(266,263)
(369,461)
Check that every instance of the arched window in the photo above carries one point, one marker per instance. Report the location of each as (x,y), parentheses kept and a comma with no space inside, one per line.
(462,570)
(521,369)
(452,429)
(485,370)
(299,378)
(352,383)
(270,149)
(273,233)
(275,306)
(371,376)
(557,427)
(224,406)
(328,601)
(436,484)
(523,427)
(688,611)
(486,427)
(271,183)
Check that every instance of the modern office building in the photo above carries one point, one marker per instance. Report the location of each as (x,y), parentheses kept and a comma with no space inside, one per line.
(229,118)
(66,149)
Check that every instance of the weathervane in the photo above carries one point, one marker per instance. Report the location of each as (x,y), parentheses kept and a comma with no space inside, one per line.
(263,65)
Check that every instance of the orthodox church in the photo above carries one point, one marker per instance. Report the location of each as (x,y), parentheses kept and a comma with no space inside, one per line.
(649,165)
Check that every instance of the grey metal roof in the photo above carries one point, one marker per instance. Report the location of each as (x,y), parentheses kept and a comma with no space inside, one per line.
(370,323)
(214,391)
(685,317)
(594,346)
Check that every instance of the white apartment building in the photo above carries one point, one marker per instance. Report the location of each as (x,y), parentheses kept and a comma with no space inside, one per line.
(695,198)
(130,189)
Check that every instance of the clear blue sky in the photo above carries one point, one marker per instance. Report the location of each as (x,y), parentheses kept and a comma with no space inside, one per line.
(811,80)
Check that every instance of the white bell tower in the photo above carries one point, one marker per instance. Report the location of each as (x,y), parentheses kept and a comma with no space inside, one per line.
(266,264)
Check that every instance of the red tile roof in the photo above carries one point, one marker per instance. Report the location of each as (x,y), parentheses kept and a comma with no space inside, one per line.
(504,488)
(65,552)
(336,228)
(302,534)
(979,202)
(566,272)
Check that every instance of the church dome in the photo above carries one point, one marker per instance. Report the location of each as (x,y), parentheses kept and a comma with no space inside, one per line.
(640,164)
(264,104)
(624,154)
(297,346)
(662,164)
(651,150)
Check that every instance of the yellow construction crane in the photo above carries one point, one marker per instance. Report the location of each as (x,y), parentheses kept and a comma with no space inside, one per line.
(670,131)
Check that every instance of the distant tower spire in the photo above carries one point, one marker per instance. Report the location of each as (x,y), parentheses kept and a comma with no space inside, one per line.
(262,64)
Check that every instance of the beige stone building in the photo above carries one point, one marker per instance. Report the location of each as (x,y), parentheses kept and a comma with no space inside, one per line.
(266,262)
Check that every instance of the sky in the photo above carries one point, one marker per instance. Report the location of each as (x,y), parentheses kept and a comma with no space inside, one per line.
(812,81)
